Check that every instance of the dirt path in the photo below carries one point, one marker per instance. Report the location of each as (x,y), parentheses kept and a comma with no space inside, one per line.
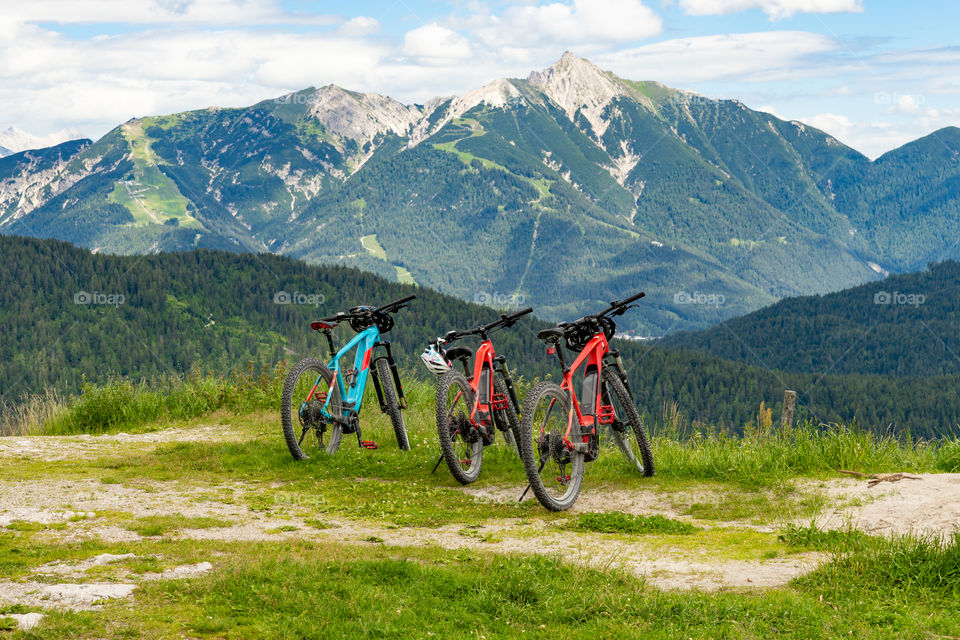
(88,509)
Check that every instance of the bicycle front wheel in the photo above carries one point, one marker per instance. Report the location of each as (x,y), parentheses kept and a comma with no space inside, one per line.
(554,471)
(460,443)
(392,402)
(306,389)
(627,426)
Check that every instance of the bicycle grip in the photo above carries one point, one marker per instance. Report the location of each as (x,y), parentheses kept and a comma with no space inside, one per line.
(629,300)
(397,303)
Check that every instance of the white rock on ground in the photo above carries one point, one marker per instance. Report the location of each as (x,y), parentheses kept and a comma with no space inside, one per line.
(26,621)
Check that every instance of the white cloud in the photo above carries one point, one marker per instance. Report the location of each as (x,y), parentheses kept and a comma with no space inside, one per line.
(569,24)
(776,9)
(875,137)
(48,81)
(158,12)
(435,44)
(359,26)
(747,56)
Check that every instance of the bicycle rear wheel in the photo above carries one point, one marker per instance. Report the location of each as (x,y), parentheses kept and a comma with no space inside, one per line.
(555,472)
(308,385)
(627,427)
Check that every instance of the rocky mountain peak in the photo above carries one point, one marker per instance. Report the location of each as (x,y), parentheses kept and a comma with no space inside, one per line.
(575,85)
(361,116)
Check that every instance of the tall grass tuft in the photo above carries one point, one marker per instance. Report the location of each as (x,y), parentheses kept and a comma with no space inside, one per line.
(28,416)
(122,404)
(764,454)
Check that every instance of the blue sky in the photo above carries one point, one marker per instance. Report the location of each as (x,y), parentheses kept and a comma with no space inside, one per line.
(873,73)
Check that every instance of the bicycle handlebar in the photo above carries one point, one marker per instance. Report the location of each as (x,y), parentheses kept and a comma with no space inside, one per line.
(504,320)
(396,305)
(616,308)
(391,307)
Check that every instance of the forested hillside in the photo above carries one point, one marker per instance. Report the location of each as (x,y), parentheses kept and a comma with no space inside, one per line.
(69,315)
(905,325)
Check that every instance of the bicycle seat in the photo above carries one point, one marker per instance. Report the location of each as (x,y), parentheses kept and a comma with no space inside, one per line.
(457,353)
(549,334)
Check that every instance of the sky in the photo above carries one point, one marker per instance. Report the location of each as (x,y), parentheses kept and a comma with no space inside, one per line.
(875,74)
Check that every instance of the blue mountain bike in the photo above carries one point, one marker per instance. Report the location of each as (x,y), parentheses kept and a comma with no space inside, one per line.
(326,398)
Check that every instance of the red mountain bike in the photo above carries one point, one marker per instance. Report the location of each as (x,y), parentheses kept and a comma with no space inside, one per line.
(471,410)
(561,432)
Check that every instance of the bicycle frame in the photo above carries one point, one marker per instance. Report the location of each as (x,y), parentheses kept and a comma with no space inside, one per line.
(484,398)
(352,394)
(596,412)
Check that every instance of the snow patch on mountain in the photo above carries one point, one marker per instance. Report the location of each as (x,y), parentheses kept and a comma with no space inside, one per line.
(15,140)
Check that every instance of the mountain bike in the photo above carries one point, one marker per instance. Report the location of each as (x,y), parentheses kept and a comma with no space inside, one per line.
(472,407)
(559,432)
(326,398)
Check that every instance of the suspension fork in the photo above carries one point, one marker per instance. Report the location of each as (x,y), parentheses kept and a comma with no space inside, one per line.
(614,355)
(396,378)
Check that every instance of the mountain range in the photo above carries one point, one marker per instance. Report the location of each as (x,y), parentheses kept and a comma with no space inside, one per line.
(562,190)
(13,140)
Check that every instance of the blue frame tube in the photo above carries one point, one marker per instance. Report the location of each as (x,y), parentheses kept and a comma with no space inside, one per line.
(364,341)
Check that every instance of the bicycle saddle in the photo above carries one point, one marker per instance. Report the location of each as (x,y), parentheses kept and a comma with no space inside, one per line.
(547,334)
(456,353)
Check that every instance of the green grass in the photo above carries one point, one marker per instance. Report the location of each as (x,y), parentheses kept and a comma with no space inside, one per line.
(869,587)
(404,276)
(151,197)
(305,589)
(161,525)
(372,245)
(616,522)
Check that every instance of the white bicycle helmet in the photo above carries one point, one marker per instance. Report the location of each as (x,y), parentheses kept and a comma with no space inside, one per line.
(434,361)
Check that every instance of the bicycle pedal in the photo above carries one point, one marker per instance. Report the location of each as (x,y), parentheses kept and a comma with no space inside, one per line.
(563,480)
(606,415)
(369,444)
(499,402)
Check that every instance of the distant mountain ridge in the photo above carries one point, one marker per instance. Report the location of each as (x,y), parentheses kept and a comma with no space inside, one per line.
(14,140)
(563,189)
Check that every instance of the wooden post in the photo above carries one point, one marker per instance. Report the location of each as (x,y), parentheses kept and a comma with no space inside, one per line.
(789,402)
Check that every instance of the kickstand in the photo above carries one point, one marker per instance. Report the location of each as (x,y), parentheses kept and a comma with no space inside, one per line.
(524,494)
(439,460)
